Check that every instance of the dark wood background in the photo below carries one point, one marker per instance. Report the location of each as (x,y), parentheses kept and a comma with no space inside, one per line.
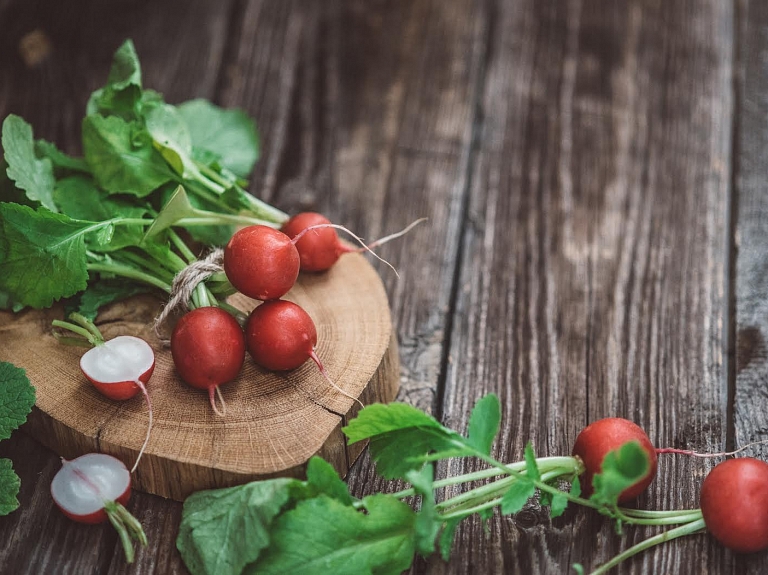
(594,174)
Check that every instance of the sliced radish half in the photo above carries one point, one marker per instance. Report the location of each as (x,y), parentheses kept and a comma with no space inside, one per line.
(116,366)
(82,486)
(92,489)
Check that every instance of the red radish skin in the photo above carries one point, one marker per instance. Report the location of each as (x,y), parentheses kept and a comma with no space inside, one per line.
(82,485)
(319,248)
(261,262)
(603,436)
(734,503)
(208,349)
(281,336)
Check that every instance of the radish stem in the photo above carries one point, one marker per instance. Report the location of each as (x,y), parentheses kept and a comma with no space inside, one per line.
(129,272)
(127,527)
(687,529)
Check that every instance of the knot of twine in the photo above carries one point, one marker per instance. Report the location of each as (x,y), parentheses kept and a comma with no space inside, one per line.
(185,283)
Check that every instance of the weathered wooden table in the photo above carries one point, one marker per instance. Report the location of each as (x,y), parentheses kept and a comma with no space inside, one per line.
(595,177)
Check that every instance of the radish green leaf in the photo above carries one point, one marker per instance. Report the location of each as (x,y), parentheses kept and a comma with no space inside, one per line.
(228,135)
(122,156)
(322,535)
(33,175)
(222,530)
(484,423)
(42,254)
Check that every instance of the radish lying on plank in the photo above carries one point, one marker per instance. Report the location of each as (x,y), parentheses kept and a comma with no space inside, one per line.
(603,436)
(94,488)
(734,503)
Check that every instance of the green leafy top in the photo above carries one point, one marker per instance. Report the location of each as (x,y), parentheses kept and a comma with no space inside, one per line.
(137,149)
(123,90)
(32,175)
(229,136)
(17,396)
(42,254)
(314,527)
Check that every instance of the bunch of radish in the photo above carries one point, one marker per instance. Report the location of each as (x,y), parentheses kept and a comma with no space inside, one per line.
(262,263)
(733,496)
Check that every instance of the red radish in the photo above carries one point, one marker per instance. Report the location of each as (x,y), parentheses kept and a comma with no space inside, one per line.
(94,488)
(118,368)
(734,503)
(603,436)
(208,349)
(318,244)
(281,336)
(261,262)
(319,248)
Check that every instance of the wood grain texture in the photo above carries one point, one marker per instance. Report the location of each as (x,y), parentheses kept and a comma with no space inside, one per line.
(355,127)
(599,205)
(750,215)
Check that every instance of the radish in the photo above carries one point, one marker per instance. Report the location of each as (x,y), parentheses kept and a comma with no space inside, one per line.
(94,488)
(208,350)
(734,503)
(318,249)
(261,262)
(118,368)
(281,336)
(318,244)
(603,436)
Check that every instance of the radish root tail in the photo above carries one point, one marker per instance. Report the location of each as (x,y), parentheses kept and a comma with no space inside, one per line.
(663,450)
(385,239)
(213,392)
(360,240)
(143,389)
(324,373)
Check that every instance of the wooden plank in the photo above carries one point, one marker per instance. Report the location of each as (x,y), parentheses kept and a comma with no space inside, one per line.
(374,133)
(180,46)
(594,274)
(750,214)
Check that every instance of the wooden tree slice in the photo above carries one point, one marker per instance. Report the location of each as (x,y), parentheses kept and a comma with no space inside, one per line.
(274,421)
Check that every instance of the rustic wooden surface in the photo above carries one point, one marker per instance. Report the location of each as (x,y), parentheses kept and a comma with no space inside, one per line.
(594,177)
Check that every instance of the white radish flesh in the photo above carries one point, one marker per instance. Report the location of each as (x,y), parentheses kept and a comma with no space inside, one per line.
(123,358)
(82,486)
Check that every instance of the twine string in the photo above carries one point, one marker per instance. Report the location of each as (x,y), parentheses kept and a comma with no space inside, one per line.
(184,285)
